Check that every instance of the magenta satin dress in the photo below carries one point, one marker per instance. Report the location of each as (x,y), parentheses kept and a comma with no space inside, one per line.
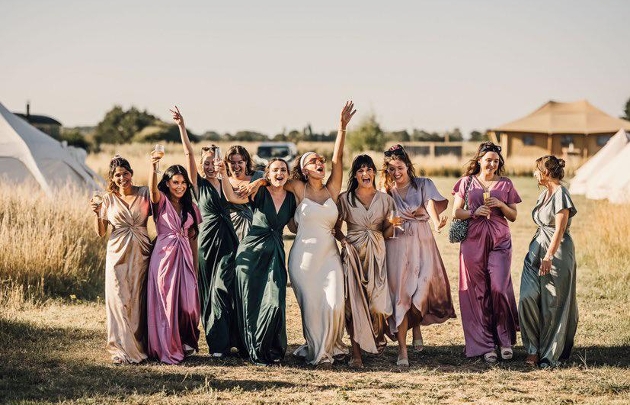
(172,297)
(486,295)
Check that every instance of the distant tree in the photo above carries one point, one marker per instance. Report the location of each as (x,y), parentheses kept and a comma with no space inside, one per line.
(249,136)
(368,136)
(627,110)
(210,136)
(120,126)
(74,137)
(478,136)
(294,136)
(397,136)
(454,136)
(424,136)
(281,137)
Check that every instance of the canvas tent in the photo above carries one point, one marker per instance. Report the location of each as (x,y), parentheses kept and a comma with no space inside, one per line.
(613,180)
(28,154)
(588,171)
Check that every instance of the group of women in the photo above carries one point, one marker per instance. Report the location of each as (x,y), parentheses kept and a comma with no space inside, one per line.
(221,261)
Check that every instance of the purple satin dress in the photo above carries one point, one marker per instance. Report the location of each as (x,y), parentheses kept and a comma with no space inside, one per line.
(486,295)
(172,297)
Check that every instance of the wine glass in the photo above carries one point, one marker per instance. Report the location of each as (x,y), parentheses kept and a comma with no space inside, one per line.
(158,151)
(486,197)
(393,217)
(217,158)
(97,198)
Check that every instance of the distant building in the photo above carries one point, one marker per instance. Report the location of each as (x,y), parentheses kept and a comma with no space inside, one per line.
(560,129)
(44,123)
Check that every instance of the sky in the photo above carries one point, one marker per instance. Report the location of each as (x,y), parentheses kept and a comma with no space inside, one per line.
(270,65)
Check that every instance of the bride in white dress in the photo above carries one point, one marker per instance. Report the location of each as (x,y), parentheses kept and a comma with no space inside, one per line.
(314,263)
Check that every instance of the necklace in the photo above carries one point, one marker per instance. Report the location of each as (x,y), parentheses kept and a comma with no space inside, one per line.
(486,185)
(403,187)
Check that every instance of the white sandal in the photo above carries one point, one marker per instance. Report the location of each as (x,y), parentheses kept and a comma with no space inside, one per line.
(490,357)
(507,353)
(402,362)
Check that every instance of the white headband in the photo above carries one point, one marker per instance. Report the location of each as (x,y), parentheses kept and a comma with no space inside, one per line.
(303,159)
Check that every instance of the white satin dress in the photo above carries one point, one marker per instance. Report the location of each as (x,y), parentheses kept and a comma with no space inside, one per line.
(317,279)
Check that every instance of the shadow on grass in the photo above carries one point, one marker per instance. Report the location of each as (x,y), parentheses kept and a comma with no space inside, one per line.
(44,363)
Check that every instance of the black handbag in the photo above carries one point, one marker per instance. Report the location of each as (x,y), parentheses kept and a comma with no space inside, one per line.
(459,227)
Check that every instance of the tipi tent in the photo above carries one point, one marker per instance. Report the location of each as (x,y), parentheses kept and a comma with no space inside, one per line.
(588,171)
(613,180)
(26,154)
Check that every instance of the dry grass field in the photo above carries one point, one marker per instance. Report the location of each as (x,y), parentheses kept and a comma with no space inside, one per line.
(52,334)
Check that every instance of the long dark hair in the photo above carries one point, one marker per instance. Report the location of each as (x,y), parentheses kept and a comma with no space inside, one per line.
(117,161)
(186,200)
(296,171)
(239,150)
(397,152)
(473,165)
(358,163)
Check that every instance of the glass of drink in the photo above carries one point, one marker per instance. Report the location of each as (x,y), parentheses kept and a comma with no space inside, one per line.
(97,198)
(158,151)
(217,158)
(393,219)
(486,197)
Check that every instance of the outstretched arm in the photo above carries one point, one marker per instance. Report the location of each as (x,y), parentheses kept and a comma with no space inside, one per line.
(154,193)
(188,149)
(228,192)
(336,176)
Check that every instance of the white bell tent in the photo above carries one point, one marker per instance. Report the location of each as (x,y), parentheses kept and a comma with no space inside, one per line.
(29,155)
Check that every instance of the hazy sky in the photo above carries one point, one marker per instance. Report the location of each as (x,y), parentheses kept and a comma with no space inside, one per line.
(269,65)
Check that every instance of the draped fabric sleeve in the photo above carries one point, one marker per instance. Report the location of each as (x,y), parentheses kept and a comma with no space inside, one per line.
(563,201)
(257,200)
(257,175)
(512,194)
(430,192)
(459,188)
(341,205)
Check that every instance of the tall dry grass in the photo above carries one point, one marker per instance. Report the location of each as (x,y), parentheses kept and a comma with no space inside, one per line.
(48,246)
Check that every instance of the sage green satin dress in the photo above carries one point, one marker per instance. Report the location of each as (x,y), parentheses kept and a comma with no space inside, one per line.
(261,280)
(548,307)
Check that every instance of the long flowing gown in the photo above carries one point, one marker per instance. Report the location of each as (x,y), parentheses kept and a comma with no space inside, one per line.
(126,264)
(417,278)
(242,214)
(486,294)
(172,297)
(368,303)
(217,247)
(317,280)
(548,306)
(261,280)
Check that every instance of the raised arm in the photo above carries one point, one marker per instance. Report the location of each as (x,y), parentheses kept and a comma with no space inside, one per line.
(191,165)
(154,193)
(228,192)
(336,175)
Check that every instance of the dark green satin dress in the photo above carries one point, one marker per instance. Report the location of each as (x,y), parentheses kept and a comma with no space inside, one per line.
(261,280)
(217,247)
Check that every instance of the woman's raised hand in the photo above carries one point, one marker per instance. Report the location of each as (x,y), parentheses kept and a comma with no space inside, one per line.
(219,167)
(346,114)
(177,116)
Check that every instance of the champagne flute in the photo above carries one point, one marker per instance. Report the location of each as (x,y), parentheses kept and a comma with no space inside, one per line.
(217,158)
(158,151)
(393,217)
(486,197)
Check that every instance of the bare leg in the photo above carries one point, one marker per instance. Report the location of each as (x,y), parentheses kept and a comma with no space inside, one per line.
(356,361)
(418,343)
(402,343)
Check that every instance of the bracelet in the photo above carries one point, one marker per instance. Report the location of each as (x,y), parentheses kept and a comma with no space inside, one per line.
(341,130)
(547,258)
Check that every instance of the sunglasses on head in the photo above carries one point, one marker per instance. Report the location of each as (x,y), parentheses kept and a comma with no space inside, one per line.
(490,148)
(395,150)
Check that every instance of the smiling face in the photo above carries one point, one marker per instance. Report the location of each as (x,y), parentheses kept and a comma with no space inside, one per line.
(277,173)
(397,170)
(122,178)
(315,166)
(177,186)
(207,165)
(489,163)
(238,166)
(365,177)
